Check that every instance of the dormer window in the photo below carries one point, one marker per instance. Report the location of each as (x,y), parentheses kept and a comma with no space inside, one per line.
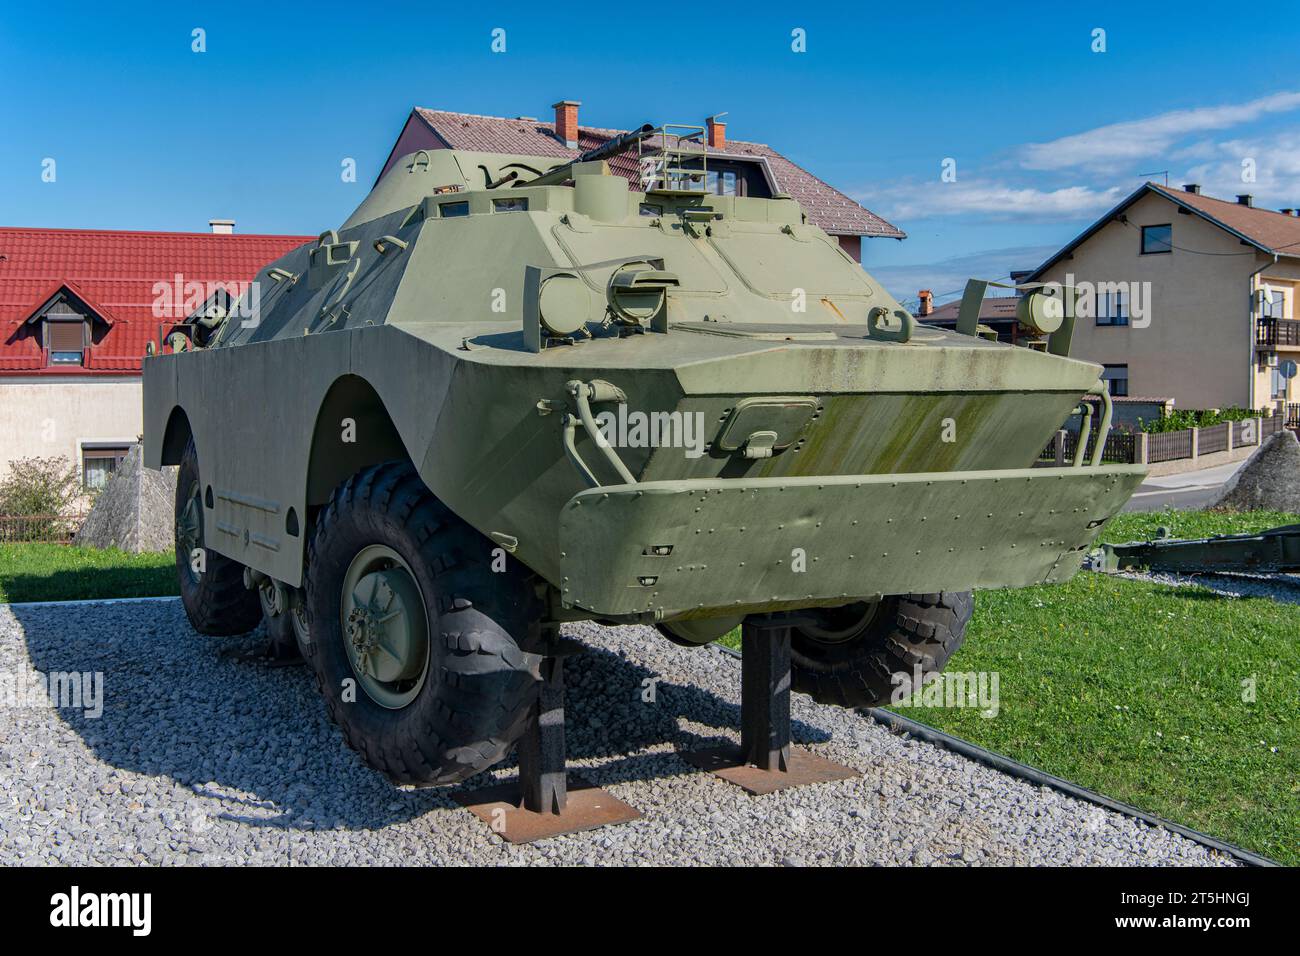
(64,328)
(64,333)
(65,339)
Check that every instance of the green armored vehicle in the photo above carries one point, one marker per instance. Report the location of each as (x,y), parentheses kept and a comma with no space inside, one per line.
(507,393)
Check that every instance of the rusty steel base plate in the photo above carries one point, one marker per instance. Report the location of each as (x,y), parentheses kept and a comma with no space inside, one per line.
(805,768)
(501,808)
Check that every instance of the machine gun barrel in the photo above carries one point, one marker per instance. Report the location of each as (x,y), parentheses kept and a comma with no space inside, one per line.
(619,144)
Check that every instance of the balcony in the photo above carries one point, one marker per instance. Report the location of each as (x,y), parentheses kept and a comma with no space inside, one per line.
(1277,333)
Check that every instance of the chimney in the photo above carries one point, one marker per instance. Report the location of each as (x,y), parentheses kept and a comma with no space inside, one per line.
(1286,212)
(222,227)
(566,122)
(1245,199)
(927,302)
(717,132)
(1193,188)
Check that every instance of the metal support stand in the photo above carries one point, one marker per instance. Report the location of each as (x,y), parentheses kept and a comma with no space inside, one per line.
(543,802)
(765,761)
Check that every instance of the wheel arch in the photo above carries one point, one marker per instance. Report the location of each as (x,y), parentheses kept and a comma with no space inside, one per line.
(176,435)
(353,430)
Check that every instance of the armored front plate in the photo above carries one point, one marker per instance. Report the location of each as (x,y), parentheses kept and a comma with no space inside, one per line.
(677,547)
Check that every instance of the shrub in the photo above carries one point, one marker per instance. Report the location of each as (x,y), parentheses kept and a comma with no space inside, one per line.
(42,490)
(1184,418)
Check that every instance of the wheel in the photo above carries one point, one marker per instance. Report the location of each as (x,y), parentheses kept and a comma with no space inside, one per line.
(285,611)
(418,625)
(212,585)
(849,657)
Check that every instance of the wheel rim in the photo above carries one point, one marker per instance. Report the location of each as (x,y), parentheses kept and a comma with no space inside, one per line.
(842,624)
(189,529)
(385,629)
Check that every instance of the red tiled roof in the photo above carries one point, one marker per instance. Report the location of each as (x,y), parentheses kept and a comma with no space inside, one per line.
(826,206)
(113,273)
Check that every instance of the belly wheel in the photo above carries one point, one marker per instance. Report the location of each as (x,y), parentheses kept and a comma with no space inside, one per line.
(850,655)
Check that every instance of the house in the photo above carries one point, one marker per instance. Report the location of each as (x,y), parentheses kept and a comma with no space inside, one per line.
(735,167)
(77,309)
(1187,296)
(998,312)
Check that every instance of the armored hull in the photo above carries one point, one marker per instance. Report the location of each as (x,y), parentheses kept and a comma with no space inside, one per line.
(661,406)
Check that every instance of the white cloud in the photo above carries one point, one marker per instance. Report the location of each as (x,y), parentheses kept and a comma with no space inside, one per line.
(1116,145)
(1275,161)
(992,200)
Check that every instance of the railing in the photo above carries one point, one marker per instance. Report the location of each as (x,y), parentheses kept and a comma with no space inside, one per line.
(1270,333)
(1293,415)
(43,529)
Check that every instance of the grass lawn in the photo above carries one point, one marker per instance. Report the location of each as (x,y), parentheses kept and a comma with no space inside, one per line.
(56,572)
(1135,690)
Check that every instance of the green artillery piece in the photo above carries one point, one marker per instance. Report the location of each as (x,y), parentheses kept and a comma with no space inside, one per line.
(1275,551)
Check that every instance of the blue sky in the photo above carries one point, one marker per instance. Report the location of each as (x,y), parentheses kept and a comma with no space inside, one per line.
(1046,134)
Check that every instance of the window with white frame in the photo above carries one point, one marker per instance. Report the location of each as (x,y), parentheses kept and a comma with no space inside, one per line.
(1274,302)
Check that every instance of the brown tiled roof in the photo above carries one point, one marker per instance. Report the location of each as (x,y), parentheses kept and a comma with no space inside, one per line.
(1273,231)
(826,206)
(993,307)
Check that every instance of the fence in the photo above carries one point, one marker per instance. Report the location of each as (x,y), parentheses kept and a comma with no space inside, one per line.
(44,529)
(1120,448)
(1293,415)
(1148,449)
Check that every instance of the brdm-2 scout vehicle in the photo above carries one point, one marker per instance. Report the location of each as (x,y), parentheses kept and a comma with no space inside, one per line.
(507,393)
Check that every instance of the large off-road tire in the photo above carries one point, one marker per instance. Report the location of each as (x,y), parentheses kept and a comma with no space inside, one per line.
(417,630)
(212,585)
(851,657)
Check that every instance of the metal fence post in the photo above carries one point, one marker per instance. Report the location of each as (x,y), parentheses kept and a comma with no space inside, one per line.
(1059,447)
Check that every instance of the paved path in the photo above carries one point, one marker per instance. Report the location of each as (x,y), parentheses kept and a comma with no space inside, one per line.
(1193,489)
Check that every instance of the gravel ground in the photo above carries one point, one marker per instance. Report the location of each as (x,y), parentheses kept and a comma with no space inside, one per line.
(201,758)
(1276,587)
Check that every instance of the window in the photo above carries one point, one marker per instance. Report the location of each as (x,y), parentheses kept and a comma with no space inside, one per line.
(1112,308)
(1272,302)
(722,183)
(98,462)
(1157,239)
(1116,379)
(451,210)
(1279,385)
(519,204)
(65,340)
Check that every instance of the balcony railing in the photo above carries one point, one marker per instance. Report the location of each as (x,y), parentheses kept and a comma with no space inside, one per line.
(1271,333)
